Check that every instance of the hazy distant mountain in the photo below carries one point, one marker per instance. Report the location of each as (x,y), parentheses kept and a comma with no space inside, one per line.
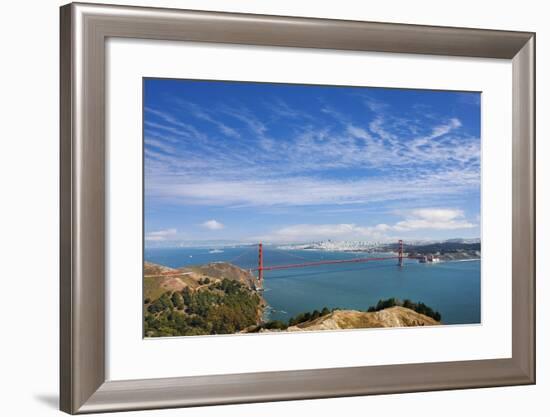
(460,240)
(366,246)
(195,244)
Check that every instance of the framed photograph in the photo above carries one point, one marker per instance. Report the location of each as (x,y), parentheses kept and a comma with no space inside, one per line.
(299,208)
(257,213)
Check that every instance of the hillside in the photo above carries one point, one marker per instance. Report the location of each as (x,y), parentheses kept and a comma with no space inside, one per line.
(159,279)
(219,270)
(351,319)
(221,298)
(450,250)
(216,298)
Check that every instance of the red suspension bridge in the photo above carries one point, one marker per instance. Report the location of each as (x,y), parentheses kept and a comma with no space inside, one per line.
(261,268)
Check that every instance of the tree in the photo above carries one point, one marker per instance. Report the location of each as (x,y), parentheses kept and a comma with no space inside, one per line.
(275,324)
(186,294)
(208,311)
(165,301)
(177,300)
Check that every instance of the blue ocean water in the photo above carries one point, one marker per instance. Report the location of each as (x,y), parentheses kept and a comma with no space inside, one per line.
(452,288)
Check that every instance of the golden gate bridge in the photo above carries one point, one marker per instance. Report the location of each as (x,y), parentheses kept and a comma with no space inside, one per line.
(262,268)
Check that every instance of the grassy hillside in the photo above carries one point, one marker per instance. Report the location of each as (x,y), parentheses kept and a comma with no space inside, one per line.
(220,298)
(352,319)
(217,298)
(386,313)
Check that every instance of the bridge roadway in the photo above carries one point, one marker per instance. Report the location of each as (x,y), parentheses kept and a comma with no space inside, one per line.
(328,262)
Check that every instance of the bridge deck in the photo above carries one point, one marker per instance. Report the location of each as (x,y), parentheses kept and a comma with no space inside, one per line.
(328,262)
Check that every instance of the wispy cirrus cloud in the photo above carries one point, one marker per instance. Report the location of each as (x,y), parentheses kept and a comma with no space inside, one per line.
(304,191)
(206,115)
(273,153)
(247,175)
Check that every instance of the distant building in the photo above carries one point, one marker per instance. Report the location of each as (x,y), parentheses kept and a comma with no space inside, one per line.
(428,259)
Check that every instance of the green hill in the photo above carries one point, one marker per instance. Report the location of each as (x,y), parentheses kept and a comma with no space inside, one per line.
(216,298)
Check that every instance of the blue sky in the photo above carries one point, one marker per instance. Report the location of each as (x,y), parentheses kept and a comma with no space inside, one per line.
(296,163)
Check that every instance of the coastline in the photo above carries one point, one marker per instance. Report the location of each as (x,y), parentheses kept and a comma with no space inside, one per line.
(354,287)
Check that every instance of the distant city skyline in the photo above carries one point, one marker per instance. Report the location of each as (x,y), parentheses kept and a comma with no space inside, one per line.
(280,163)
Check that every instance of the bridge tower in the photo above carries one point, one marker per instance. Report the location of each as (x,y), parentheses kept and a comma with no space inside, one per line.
(400,252)
(260,264)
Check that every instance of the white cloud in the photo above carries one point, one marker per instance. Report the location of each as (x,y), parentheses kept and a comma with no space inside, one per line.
(434,218)
(437,214)
(377,127)
(443,129)
(431,147)
(313,232)
(387,142)
(282,109)
(358,132)
(245,116)
(408,158)
(426,218)
(160,235)
(213,225)
(375,106)
(301,191)
(202,114)
(173,125)
(161,145)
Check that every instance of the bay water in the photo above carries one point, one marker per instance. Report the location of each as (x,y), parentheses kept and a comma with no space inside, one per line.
(452,288)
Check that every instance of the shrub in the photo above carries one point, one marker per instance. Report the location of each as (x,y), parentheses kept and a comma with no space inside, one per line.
(275,324)
(177,300)
(418,307)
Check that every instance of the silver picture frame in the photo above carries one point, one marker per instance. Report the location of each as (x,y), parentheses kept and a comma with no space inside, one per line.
(83,34)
